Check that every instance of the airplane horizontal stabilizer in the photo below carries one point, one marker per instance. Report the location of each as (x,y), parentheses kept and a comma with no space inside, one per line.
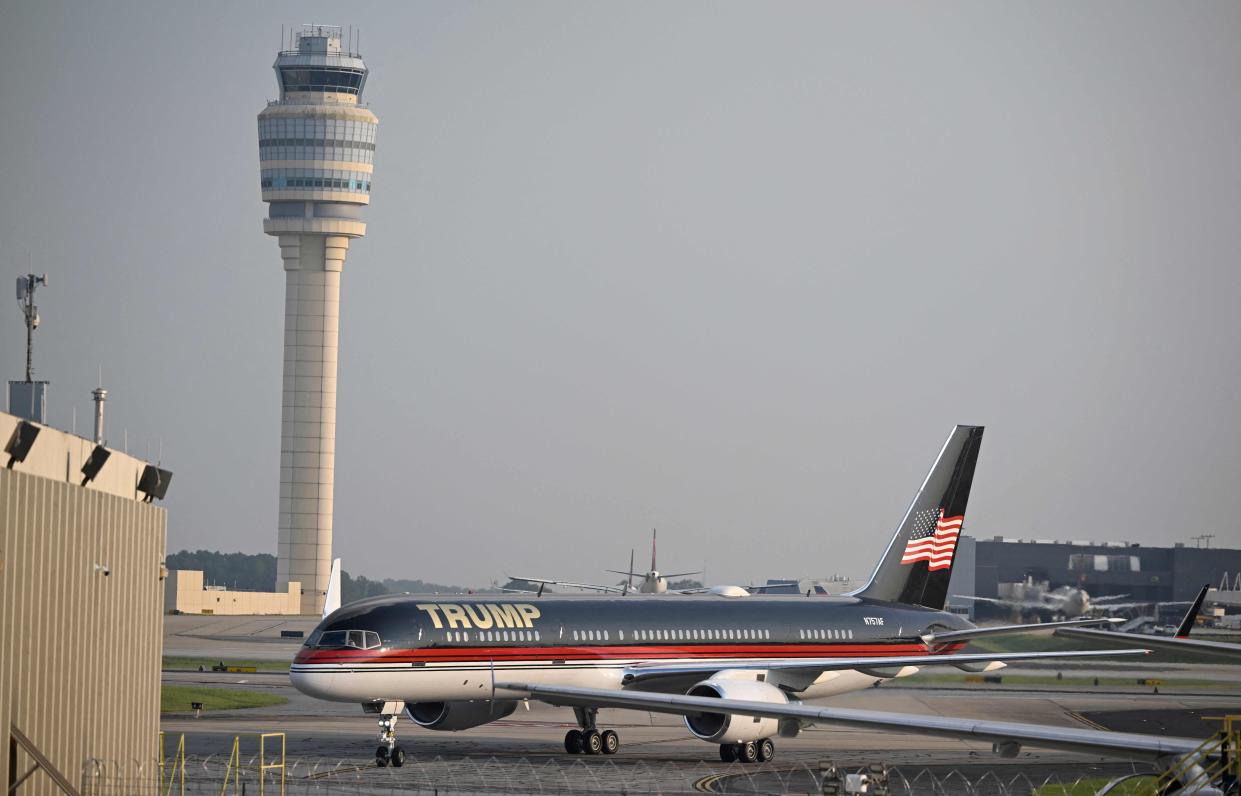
(1217,650)
(1011,630)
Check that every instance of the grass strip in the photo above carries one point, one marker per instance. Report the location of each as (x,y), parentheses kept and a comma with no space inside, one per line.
(1141,786)
(180,698)
(193,664)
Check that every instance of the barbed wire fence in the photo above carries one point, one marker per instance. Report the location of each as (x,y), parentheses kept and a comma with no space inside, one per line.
(464,776)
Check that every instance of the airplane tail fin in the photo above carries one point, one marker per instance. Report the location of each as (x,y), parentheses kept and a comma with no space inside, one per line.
(917,565)
(331,600)
(1187,624)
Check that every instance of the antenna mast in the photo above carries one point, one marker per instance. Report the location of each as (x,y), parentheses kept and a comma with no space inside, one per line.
(25,298)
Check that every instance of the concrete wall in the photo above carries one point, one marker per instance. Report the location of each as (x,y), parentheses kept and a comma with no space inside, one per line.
(184,592)
(79,649)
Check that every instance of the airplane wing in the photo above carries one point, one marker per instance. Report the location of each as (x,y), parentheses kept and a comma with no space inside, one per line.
(1008,630)
(1213,649)
(1006,737)
(587,586)
(799,673)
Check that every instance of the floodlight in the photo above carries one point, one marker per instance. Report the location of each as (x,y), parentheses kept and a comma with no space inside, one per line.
(94,463)
(20,443)
(154,482)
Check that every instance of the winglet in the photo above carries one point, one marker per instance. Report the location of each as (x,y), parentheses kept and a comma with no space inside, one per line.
(332,601)
(1187,624)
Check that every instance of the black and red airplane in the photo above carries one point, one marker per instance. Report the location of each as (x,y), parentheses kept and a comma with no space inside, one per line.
(455,663)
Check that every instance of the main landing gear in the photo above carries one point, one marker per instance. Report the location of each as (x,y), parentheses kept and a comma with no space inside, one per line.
(588,740)
(748,752)
(389,752)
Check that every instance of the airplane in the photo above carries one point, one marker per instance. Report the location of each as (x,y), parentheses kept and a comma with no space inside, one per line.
(1061,602)
(1179,642)
(653,581)
(737,669)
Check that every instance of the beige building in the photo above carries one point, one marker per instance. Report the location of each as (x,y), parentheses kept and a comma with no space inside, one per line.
(185,593)
(80,610)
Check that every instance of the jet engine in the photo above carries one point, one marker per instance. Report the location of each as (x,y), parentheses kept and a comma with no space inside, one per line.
(723,728)
(453,716)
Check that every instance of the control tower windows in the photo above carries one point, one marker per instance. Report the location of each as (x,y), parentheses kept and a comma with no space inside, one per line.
(347,81)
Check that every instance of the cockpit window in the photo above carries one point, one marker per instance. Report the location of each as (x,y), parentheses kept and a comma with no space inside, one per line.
(345,639)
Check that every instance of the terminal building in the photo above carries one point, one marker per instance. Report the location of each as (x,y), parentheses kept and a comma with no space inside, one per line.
(81,598)
(1158,574)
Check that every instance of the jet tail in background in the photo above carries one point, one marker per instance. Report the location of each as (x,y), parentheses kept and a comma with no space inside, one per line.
(917,565)
(1187,624)
(331,600)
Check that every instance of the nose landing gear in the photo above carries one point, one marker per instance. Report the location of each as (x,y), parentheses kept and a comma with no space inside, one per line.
(588,740)
(389,752)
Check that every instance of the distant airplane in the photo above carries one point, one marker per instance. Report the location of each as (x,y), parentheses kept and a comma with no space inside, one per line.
(653,581)
(1063,601)
(1180,642)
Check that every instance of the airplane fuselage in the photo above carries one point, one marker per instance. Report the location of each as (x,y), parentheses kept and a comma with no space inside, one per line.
(444,648)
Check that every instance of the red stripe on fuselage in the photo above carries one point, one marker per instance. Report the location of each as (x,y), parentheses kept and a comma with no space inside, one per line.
(616,652)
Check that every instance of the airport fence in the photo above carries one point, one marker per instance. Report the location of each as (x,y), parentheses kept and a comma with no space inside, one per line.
(464,776)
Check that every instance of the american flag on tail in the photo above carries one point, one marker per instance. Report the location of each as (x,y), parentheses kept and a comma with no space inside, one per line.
(933,539)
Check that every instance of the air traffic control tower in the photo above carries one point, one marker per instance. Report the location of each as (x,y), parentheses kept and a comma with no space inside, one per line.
(316,150)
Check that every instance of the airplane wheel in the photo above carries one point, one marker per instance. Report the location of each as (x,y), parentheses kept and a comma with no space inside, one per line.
(766,750)
(611,742)
(592,742)
(397,758)
(728,752)
(381,756)
(747,752)
(573,742)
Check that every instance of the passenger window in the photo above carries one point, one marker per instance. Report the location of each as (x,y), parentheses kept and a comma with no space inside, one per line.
(536,635)
(575,635)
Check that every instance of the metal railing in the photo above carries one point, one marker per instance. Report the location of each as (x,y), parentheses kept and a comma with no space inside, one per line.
(174,773)
(261,764)
(18,738)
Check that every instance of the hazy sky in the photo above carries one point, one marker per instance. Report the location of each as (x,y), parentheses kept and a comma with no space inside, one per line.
(728,269)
